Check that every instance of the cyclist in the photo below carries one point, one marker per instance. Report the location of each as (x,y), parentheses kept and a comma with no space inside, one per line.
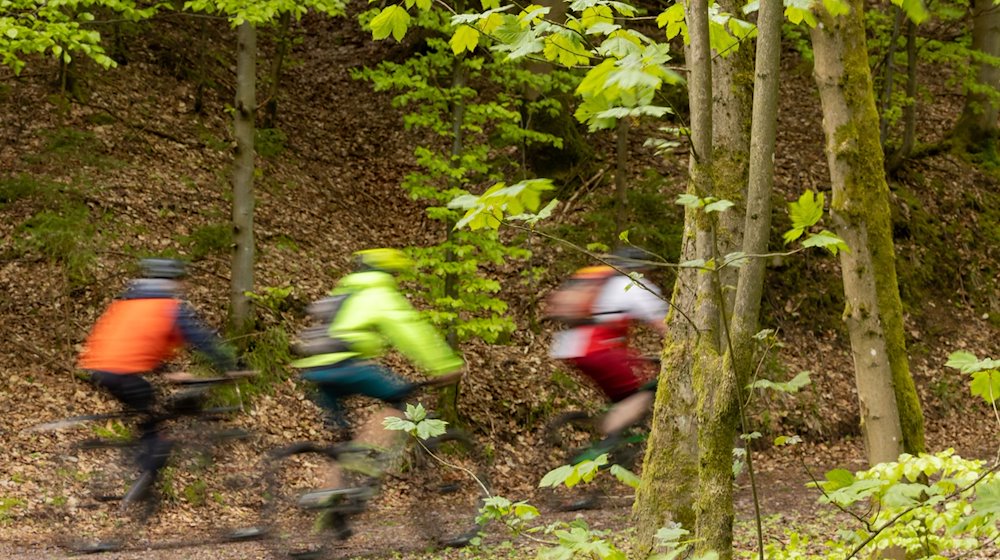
(136,335)
(371,315)
(598,346)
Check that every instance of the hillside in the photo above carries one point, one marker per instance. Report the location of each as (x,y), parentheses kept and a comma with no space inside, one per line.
(133,169)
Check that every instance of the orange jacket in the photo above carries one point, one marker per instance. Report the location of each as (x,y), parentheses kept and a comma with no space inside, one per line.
(133,336)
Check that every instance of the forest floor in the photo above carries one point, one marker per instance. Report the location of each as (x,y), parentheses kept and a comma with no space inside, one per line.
(141,171)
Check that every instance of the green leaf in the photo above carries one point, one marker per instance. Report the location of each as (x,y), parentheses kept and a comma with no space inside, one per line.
(914,9)
(988,497)
(986,384)
(689,200)
(625,476)
(719,206)
(787,440)
(393,20)
(807,210)
(837,8)
(556,477)
(827,240)
(791,386)
(465,39)
(415,413)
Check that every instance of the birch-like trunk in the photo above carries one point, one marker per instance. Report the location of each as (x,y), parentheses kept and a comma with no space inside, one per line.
(670,469)
(241,317)
(888,401)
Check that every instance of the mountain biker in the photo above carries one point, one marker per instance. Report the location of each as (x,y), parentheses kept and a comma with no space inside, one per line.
(135,336)
(598,347)
(372,315)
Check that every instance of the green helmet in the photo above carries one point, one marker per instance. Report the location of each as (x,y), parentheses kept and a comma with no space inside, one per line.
(386,260)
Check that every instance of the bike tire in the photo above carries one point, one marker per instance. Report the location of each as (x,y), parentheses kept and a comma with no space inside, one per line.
(568,437)
(450,485)
(291,528)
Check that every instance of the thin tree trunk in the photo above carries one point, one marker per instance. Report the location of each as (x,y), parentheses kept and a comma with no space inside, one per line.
(890,68)
(978,122)
(670,469)
(448,398)
(890,411)
(271,108)
(897,158)
(241,317)
(621,157)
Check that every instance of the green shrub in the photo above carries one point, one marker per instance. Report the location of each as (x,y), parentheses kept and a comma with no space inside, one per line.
(212,239)
(67,236)
(269,142)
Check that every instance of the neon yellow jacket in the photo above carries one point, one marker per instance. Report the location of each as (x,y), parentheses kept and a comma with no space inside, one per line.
(376,314)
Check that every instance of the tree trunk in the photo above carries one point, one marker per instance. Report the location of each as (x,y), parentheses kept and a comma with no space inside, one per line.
(891,419)
(900,155)
(241,318)
(890,76)
(732,97)
(978,123)
(447,406)
(670,468)
(621,188)
(283,41)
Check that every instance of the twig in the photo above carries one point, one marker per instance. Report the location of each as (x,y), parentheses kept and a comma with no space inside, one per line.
(49,360)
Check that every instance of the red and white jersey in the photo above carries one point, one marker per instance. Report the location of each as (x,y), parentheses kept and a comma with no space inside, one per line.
(621,302)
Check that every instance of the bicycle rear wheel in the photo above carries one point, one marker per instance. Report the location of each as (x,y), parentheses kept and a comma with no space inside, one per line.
(299,518)
(449,485)
(571,438)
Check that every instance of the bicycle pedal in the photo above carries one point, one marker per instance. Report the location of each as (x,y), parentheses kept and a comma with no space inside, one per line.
(246,534)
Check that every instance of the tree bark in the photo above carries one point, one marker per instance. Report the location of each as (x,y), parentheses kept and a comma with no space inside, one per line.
(732,97)
(978,123)
(621,188)
(670,469)
(890,411)
(241,312)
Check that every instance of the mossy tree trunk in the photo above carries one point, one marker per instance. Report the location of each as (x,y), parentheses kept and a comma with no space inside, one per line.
(977,125)
(732,96)
(890,410)
(670,469)
(241,311)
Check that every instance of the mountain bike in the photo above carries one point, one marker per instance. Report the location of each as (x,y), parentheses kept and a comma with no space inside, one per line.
(100,478)
(441,481)
(579,435)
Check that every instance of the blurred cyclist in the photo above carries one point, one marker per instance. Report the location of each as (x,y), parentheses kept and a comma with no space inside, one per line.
(136,335)
(604,303)
(369,313)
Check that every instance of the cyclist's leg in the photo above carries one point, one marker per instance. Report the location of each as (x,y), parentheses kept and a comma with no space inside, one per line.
(138,395)
(611,369)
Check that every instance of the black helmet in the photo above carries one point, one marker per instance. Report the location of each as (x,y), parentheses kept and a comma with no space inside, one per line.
(629,257)
(169,269)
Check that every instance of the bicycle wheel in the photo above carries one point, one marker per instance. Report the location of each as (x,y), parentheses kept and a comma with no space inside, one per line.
(449,484)
(300,519)
(109,503)
(570,438)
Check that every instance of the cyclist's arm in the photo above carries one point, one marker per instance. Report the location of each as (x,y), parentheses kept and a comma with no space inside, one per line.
(417,339)
(202,339)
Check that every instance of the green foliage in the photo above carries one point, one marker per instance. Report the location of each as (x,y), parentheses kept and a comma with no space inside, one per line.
(469,107)
(260,13)
(269,142)
(806,212)
(23,186)
(59,29)
(196,492)
(791,386)
(211,239)
(416,423)
(67,236)
(113,430)
(985,374)
(7,507)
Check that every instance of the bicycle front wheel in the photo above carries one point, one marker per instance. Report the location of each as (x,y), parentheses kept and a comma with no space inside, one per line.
(109,502)
(302,516)
(449,485)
